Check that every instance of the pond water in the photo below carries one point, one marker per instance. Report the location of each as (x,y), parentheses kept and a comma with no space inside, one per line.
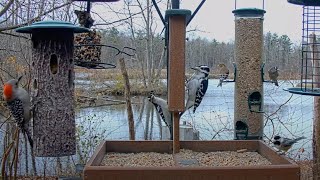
(285,114)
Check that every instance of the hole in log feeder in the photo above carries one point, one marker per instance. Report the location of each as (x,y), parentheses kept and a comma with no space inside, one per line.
(71,61)
(35,84)
(54,64)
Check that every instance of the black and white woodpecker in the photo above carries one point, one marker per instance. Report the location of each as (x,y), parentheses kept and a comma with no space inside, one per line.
(163,110)
(18,102)
(197,87)
(273,75)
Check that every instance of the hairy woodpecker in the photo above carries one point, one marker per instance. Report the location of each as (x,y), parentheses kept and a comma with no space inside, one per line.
(283,143)
(273,75)
(162,109)
(18,102)
(223,73)
(197,87)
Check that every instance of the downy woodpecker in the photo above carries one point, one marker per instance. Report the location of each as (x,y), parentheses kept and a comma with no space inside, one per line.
(197,87)
(18,102)
(223,73)
(162,109)
(273,75)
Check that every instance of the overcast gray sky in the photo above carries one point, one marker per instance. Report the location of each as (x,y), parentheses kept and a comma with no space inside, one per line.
(216,19)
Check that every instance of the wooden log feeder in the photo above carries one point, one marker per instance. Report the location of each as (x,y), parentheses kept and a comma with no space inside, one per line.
(52,75)
(248,57)
(176,19)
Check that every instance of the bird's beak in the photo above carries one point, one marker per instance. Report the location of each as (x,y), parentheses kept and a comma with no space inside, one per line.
(196,68)
(7,92)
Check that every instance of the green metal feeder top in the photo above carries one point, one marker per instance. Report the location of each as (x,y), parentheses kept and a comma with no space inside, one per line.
(178,12)
(249,12)
(305,2)
(49,25)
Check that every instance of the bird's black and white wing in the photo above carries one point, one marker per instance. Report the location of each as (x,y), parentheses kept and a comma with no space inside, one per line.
(201,91)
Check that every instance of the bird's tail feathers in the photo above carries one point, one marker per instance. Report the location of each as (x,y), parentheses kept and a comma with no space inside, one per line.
(27,132)
(276,83)
(299,138)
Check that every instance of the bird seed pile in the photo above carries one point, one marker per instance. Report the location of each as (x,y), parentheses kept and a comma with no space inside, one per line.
(148,159)
(185,158)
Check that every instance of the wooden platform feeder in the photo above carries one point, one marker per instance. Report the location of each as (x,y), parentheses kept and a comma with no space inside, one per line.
(52,76)
(279,169)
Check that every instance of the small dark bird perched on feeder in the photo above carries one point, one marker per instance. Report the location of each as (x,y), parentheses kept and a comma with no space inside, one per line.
(84,18)
(223,73)
(273,75)
(163,110)
(284,144)
(197,87)
(18,102)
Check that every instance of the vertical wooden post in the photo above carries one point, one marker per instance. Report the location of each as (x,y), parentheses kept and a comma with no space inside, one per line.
(176,86)
(315,58)
(52,73)
(128,98)
(248,57)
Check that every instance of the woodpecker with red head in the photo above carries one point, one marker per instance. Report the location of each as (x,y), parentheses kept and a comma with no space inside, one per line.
(18,102)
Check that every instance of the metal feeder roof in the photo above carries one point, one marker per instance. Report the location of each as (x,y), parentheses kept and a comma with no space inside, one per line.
(249,12)
(304,91)
(49,25)
(99,0)
(305,2)
(177,12)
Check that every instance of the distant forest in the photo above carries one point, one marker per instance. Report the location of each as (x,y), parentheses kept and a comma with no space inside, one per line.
(278,51)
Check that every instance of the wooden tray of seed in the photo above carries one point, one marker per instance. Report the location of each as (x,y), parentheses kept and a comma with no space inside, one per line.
(205,160)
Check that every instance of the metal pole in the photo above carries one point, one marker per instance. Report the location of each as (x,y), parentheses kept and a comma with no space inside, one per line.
(88,6)
(196,11)
(175,4)
(158,11)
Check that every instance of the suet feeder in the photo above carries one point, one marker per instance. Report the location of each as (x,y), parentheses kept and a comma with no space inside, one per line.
(248,59)
(241,129)
(310,65)
(52,75)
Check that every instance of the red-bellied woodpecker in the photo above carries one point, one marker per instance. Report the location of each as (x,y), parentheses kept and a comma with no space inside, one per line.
(18,102)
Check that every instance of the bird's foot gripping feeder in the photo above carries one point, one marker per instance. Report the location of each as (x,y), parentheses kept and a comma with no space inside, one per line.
(107,162)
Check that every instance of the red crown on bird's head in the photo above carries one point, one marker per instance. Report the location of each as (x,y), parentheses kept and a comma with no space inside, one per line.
(7,92)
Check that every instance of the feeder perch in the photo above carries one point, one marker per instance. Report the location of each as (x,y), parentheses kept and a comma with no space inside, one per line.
(241,130)
(52,92)
(255,100)
(310,65)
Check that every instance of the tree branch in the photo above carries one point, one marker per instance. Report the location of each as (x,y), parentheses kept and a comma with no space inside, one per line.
(34,19)
(6,7)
